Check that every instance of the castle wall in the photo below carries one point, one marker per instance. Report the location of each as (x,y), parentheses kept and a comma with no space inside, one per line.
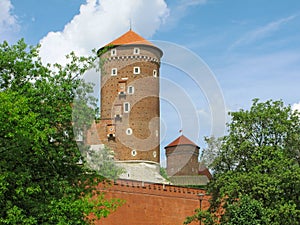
(151,204)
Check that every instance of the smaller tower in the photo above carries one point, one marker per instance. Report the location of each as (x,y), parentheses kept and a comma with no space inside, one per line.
(182,157)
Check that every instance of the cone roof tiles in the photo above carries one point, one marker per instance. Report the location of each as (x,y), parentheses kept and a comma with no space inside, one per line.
(181,140)
(130,37)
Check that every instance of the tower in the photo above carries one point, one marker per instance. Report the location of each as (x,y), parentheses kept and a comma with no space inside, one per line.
(182,157)
(130,112)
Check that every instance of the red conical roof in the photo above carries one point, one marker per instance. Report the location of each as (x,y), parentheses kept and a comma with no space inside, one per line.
(130,37)
(182,140)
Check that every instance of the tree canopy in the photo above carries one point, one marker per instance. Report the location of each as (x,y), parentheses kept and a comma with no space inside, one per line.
(102,161)
(41,181)
(256,168)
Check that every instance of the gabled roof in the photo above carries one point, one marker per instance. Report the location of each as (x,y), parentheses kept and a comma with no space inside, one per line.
(182,140)
(130,37)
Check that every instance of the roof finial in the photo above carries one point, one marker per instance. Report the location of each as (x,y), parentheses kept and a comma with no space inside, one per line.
(130,24)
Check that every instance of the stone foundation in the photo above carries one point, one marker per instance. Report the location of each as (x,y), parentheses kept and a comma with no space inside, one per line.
(140,170)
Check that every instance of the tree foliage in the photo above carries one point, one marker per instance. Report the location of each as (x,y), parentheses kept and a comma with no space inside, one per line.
(245,211)
(41,181)
(163,173)
(102,161)
(201,215)
(210,153)
(256,168)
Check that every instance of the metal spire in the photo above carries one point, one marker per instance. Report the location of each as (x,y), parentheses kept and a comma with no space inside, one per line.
(130,24)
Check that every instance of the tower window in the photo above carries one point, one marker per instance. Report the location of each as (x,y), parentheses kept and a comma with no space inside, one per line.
(133,152)
(118,110)
(122,88)
(154,73)
(113,52)
(79,136)
(129,131)
(136,70)
(110,131)
(130,90)
(114,71)
(154,154)
(126,107)
(136,51)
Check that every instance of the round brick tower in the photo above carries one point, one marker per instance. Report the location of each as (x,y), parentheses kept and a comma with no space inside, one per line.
(130,111)
(182,157)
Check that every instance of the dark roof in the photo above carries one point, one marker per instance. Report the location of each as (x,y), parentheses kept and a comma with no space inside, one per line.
(203,170)
(182,140)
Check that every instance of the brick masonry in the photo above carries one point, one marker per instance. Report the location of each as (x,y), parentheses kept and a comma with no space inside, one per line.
(151,204)
(143,117)
(182,160)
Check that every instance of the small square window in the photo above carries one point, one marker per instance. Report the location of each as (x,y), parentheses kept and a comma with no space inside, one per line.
(126,107)
(113,52)
(136,51)
(136,70)
(130,90)
(154,73)
(114,71)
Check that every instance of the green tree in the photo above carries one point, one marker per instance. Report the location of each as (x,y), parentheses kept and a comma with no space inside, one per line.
(205,216)
(163,173)
(102,161)
(256,171)
(259,158)
(41,181)
(210,153)
(246,211)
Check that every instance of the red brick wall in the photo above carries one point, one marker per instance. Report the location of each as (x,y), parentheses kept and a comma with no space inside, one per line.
(151,204)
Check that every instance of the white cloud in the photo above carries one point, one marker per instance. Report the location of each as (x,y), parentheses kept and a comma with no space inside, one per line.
(296,106)
(262,32)
(180,9)
(8,21)
(187,3)
(99,22)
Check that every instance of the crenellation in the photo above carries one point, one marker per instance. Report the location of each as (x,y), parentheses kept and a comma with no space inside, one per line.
(131,186)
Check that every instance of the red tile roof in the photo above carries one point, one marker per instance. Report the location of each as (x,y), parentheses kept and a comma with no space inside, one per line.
(130,37)
(203,170)
(182,140)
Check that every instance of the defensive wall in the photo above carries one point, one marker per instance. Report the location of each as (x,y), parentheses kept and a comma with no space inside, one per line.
(150,203)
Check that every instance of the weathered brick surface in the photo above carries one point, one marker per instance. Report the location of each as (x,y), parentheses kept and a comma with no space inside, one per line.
(182,160)
(151,204)
(143,117)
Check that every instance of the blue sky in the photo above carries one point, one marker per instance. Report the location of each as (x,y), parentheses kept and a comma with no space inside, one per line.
(251,47)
